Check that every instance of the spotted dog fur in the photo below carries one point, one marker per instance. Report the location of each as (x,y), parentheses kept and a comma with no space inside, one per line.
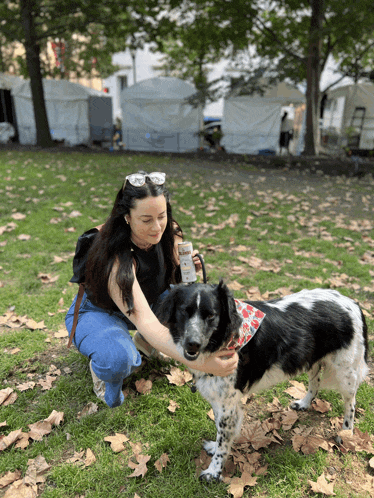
(318,331)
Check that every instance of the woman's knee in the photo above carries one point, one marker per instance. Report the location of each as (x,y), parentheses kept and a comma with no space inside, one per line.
(116,359)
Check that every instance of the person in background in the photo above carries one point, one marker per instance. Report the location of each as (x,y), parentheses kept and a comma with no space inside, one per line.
(128,269)
(285,133)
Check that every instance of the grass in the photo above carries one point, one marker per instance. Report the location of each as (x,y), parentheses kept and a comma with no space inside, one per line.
(306,234)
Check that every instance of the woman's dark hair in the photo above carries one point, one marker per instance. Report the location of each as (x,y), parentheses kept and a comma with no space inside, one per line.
(114,242)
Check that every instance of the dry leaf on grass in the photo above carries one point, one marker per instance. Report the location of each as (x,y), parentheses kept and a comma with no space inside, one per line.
(47,382)
(211,414)
(162,462)
(9,477)
(89,409)
(140,468)
(237,484)
(82,459)
(6,441)
(116,442)
(18,216)
(173,405)
(143,386)
(321,406)
(25,386)
(7,396)
(179,377)
(306,443)
(359,441)
(20,490)
(61,334)
(47,278)
(322,486)
(297,390)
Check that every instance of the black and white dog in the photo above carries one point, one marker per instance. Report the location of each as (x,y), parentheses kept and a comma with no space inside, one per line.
(317,331)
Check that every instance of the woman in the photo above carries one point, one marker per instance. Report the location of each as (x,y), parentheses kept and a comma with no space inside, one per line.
(130,265)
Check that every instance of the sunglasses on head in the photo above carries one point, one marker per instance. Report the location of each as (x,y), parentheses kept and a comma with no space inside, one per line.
(138,179)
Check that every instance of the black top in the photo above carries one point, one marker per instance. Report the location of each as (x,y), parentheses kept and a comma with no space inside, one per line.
(150,271)
(150,266)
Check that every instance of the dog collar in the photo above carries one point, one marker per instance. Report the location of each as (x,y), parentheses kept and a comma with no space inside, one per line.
(252,318)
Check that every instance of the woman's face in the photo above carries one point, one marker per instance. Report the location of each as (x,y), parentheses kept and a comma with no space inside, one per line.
(148,220)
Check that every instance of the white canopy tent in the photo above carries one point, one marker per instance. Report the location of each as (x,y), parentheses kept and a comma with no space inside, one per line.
(76,114)
(157,117)
(252,123)
(8,121)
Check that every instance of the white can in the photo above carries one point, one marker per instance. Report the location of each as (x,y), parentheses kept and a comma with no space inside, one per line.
(188,271)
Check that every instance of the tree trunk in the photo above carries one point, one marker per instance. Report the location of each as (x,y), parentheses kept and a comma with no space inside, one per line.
(313,79)
(43,136)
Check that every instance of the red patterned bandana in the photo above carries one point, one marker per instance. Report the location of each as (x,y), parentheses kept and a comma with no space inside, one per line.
(252,318)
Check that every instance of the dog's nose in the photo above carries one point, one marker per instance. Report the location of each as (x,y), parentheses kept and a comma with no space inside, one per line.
(193,346)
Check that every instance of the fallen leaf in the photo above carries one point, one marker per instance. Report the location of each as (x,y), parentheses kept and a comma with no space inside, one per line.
(211,414)
(23,440)
(322,486)
(75,214)
(321,406)
(179,377)
(47,278)
(9,477)
(173,405)
(25,386)
(61,334)
(47,382)
(143,386)
(116,442)
(90,458)
(140,469)
(33,325)
(18,216)
(39,429)
(35,470)
(297,390)
(24,236)
(8,440)
(89,409)
(5,393)
(162,462)
(20,490)
(55,418)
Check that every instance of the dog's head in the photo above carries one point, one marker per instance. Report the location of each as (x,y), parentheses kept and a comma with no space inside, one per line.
(202,318)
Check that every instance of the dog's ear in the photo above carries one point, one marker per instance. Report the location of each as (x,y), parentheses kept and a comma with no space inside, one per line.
(230,318)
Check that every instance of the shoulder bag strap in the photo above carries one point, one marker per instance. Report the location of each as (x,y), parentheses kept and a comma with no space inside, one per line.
(76,311)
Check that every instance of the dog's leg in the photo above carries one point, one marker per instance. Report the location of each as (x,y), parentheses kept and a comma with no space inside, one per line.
(314,383)
(228,418)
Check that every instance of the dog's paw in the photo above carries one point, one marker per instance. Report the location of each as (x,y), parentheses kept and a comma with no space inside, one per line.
(299,406)
(208,476)
(210,447)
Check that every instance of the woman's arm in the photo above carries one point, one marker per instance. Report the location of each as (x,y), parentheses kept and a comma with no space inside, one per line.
(145,321)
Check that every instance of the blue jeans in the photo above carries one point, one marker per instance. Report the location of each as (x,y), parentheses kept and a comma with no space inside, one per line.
(105,339)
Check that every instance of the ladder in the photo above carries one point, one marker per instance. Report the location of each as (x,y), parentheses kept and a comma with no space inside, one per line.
(357,122)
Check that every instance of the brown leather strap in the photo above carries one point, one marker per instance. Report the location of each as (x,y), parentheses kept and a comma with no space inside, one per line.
(76,311)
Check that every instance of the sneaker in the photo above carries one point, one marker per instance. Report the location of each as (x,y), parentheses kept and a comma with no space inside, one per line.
(142,345)
(98,385)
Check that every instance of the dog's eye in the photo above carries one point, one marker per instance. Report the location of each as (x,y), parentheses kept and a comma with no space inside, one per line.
(211,318)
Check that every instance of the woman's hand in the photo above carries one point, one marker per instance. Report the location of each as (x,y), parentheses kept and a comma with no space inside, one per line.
(221,363)
(196,260)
